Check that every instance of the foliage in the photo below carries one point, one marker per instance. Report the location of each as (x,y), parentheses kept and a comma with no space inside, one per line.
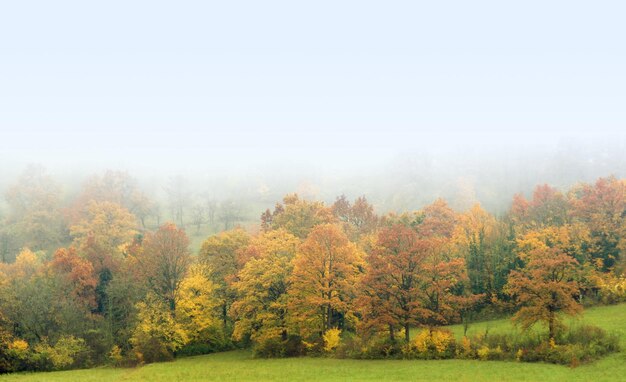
(298,216)
(332,339)
(392,284)
(317,279)
(157,334)
(103,232)
(220,252)
(326,272)
(260,310)
(545,286)
(65,353)
(431,344)
(197,313)
(164,261)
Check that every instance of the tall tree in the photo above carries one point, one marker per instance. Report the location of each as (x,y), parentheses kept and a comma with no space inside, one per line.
(103,233)
(221,253)
(260,310)
(299,216)
(326,272)
(111,186)
(485,244)
(164,261)
(444,270)
(358,219)
(197,305)
(602,208)
(392,285)
(546,285)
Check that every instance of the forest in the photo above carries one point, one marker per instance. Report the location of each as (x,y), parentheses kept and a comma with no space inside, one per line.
(86,280)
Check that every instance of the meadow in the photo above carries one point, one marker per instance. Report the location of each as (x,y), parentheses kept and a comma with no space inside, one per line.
(241,366)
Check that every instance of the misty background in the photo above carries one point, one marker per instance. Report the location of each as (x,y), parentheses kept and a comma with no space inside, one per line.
(243,102)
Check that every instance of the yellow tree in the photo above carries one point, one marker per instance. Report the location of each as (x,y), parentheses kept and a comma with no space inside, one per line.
(326,271)
(297,216)
(157,334)
(261,308)
(103,233)
(197,305)
(221,253)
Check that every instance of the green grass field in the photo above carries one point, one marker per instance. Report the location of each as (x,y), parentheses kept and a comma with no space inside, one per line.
(240,366)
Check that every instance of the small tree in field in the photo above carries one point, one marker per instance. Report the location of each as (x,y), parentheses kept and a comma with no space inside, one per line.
(545,287)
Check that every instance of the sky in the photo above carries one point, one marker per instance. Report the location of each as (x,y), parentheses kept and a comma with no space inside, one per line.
(237,85)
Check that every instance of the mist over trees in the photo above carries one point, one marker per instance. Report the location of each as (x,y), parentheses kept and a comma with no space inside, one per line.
(113,271)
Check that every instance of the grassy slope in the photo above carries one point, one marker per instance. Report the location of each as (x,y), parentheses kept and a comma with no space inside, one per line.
(239,366)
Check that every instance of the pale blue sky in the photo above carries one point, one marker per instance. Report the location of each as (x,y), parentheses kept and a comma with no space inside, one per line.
(239,82)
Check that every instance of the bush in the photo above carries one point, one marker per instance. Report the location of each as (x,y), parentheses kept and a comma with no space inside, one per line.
(277,348)
(115,358)
(332,338)
(572,347)
(68,352)
(150,349)
(431,344)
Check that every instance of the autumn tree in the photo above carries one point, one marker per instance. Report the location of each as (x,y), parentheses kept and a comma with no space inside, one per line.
(546,285)
(326,272)
(103,233)
(157,334)
(197,308)
(392,285)
(358,219)
(221,252)
(164,261)
(445,292)
(77,273)
(115,187)
(548,207)
(46,300)
(298,216)
(261,308)
(486,245)
(602,208)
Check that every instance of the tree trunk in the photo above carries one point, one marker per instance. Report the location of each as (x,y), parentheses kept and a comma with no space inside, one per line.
(551,327)
(407,335)
(392,337)
(329,317)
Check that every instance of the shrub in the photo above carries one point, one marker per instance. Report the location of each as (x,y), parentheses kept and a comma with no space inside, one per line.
(68,352)
(572,347)
(465,350)
(375,347)
(332,338)
(276,348)
(149,349)
(431,344)
(115,357)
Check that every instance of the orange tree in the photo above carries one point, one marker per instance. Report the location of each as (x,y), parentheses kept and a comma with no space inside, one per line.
(326,271)
(391,287)
(547,284)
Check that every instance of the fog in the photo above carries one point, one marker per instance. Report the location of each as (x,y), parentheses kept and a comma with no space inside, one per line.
(249,102)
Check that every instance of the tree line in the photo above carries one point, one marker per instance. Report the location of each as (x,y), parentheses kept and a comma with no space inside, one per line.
(309,277)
